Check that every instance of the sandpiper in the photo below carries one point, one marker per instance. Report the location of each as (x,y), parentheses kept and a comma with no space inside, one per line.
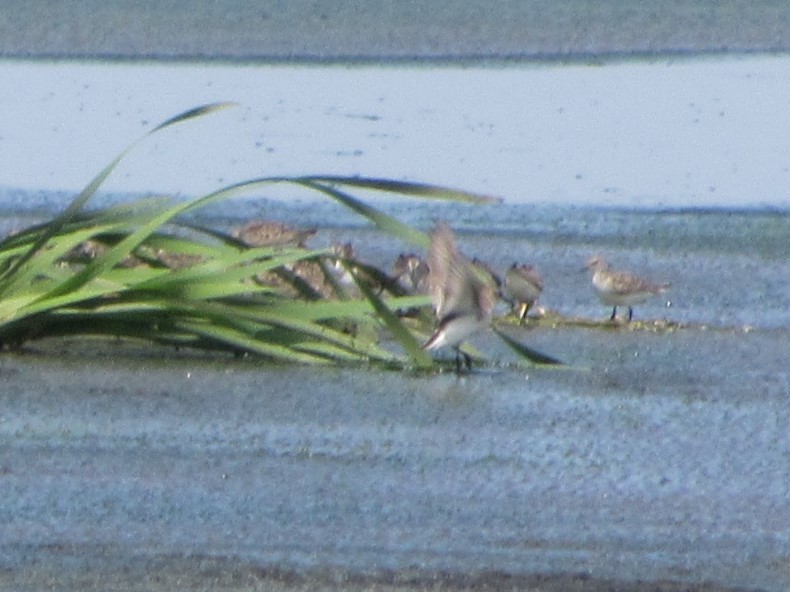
(177,261)
(462,299)
(620,288)
(342,253)
(410,272)
(267,233)
(326,277)
(522,288)
(92,248)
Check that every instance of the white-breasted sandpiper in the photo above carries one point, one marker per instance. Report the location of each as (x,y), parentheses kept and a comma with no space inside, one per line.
(462,299)
(620,288)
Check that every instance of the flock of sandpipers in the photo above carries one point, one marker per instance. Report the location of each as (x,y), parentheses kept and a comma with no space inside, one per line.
(464,291)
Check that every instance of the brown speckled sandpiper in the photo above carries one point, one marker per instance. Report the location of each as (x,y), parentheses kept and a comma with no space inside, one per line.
(522,288)
(268,233)
(620,288)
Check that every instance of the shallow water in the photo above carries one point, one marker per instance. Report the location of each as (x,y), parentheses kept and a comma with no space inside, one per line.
(655,456)
(650,464)
(680,133)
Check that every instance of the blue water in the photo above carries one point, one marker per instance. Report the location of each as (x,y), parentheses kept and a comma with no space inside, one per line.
(653,456)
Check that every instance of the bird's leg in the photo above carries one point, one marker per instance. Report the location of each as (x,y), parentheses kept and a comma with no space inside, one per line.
(522,312)
(457,361)
(614,314)
(630,313)
(467,361)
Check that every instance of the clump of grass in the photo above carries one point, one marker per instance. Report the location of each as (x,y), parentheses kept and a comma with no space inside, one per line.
(50,287)
(139,271)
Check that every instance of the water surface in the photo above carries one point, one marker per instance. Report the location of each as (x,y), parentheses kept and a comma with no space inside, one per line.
(687,133)
(653,457)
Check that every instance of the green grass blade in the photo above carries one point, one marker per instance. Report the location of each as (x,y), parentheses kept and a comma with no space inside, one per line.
(47,264)
(199,111)
(413,349)
(527,352)
(422,190)
(241,340)
(383,221)
(36,305)
(253,317)
(117,253)
(90,189)
(235,264)
(351,309)
(55,226)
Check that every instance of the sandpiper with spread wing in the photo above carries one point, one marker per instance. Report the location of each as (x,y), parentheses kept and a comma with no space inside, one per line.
(463,299)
